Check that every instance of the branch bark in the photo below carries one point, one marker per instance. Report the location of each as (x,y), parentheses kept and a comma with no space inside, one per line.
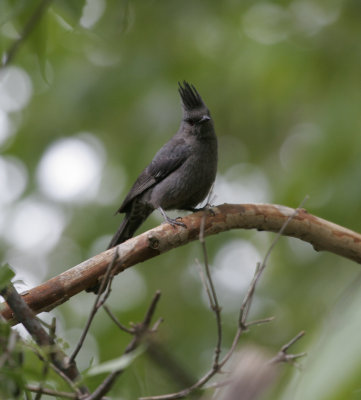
(25,315)
(321,234)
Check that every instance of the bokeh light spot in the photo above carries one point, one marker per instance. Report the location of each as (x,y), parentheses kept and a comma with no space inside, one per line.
(15,89)
(13,179)
(242,183)
(35,226)
(5,127)
(311,16)
(71,168)
(295,150)
(232,271)
(129,291)
(235,264)
(92,12)
(266,23)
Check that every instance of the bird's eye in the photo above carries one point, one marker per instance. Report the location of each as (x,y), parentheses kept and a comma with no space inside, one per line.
(190,121)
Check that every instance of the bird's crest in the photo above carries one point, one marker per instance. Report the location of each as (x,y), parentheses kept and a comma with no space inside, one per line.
(190,97)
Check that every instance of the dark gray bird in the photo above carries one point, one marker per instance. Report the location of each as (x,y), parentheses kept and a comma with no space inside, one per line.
(180,174)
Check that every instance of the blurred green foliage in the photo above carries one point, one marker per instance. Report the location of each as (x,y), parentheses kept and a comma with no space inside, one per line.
(282,81)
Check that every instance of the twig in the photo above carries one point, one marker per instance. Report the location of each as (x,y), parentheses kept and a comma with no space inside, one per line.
(52,329)
(150,312)
(72,384)
(139,330)
(184,392)
(212,296)
(247,301)
(213,300)
(292,341)
(154,349)
(51,392)
(116,320)
(204,283)
(25,316)
(99,301)
(156,325)
(6,356)
(282,355)
(260,321)
(105,386)
(242,326)
(142,327)
(28,28)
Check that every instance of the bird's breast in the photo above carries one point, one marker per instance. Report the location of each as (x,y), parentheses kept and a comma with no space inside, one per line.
(188,185)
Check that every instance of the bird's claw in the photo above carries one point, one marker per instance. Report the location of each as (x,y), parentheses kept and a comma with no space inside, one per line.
(209,208)
(175,222)
(171,221)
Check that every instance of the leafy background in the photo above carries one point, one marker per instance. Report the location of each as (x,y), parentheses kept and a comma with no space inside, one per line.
(91,95)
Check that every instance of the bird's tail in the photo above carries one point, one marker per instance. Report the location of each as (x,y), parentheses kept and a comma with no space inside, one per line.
(130,224)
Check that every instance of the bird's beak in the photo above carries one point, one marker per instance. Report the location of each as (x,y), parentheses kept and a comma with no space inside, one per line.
(204,118)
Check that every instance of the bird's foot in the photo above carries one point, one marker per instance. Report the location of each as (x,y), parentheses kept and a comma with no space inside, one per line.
(174,222)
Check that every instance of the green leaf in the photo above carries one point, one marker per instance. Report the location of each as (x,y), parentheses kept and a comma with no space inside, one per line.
(6,274)
(117,363)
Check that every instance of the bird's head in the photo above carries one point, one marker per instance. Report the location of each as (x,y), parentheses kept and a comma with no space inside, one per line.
(196,116)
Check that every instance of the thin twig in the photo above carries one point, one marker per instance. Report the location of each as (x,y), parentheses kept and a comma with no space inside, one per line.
(234,344)
(213,295)
(282,355)
(52,329)
(141,329)
(71,384)
(204,283)
(105,386)
(6,356)
(184,392)
(247,301)
(138,330)
(156,325)
(51,392)
(242,325)
(154,350)
(116,320)
(97,304)
(260,321)
(42,358)
(151,309)
(28,28)
(292,341)
(213,300)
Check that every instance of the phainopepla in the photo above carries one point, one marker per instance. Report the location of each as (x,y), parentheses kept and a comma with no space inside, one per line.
(180,174)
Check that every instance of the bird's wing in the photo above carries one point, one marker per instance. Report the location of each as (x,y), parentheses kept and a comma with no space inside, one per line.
(170,157)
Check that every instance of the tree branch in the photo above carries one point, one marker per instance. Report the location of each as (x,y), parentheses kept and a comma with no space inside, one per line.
(25,315)
(322,234)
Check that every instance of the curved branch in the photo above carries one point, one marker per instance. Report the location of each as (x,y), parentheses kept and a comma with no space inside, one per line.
(321,234)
